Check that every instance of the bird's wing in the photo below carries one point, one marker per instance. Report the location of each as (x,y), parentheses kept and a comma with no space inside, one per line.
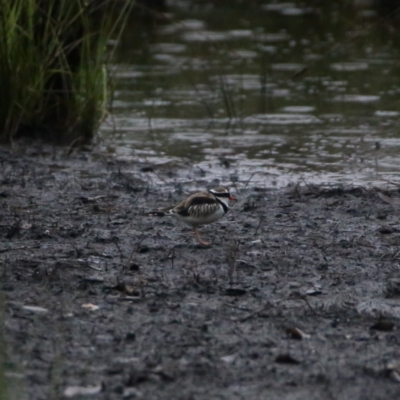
(200,198)
(200,204)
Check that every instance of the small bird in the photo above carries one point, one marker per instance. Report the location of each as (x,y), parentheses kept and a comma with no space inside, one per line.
(200,208)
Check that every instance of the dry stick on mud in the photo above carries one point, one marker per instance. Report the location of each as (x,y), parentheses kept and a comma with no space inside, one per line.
(231,256)
(77,251)
(135,250)
(304,297)
(235,186)
(248,180)
(172,256)
(256,313)
(261,220)
(121,256)
(169,254)
(297,190)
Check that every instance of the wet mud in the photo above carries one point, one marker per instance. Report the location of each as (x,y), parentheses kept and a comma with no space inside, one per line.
(297,298)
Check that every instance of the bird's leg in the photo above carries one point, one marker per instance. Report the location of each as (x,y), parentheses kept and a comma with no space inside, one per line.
(200,239)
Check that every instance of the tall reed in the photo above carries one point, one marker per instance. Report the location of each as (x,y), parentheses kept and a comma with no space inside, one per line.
(53,59)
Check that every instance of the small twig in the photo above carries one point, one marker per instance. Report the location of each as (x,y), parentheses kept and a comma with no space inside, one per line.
(248,181)
(234,185)
(172,257)
(231,255)
(92,267)
(73,145)
(259,224)
(236,307)
(396,255)
(130,260)
(119,250)
(302,297)
(137,198)
(391,182)
(255,313)
(16,248)
(78,252)
(138,271)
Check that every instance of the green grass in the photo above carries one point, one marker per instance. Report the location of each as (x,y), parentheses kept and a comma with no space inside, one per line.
(53,59)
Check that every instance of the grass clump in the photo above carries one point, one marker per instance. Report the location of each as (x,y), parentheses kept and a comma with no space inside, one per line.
(53,66)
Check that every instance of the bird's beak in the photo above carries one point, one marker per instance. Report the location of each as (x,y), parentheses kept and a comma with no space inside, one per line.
(231,197)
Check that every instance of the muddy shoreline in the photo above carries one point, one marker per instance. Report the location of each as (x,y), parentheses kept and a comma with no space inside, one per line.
(298,297)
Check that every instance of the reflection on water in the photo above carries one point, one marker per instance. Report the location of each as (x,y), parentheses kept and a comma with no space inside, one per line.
(286,92)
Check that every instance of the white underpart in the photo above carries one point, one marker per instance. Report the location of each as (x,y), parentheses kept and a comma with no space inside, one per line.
(193,220)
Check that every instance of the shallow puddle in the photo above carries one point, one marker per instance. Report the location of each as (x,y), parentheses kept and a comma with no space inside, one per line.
(269,95)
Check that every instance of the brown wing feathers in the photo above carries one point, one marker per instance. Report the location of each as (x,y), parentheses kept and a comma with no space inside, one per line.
(199,198)
(198,204)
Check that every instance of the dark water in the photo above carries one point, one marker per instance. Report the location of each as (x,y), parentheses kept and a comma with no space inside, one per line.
(283,91)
